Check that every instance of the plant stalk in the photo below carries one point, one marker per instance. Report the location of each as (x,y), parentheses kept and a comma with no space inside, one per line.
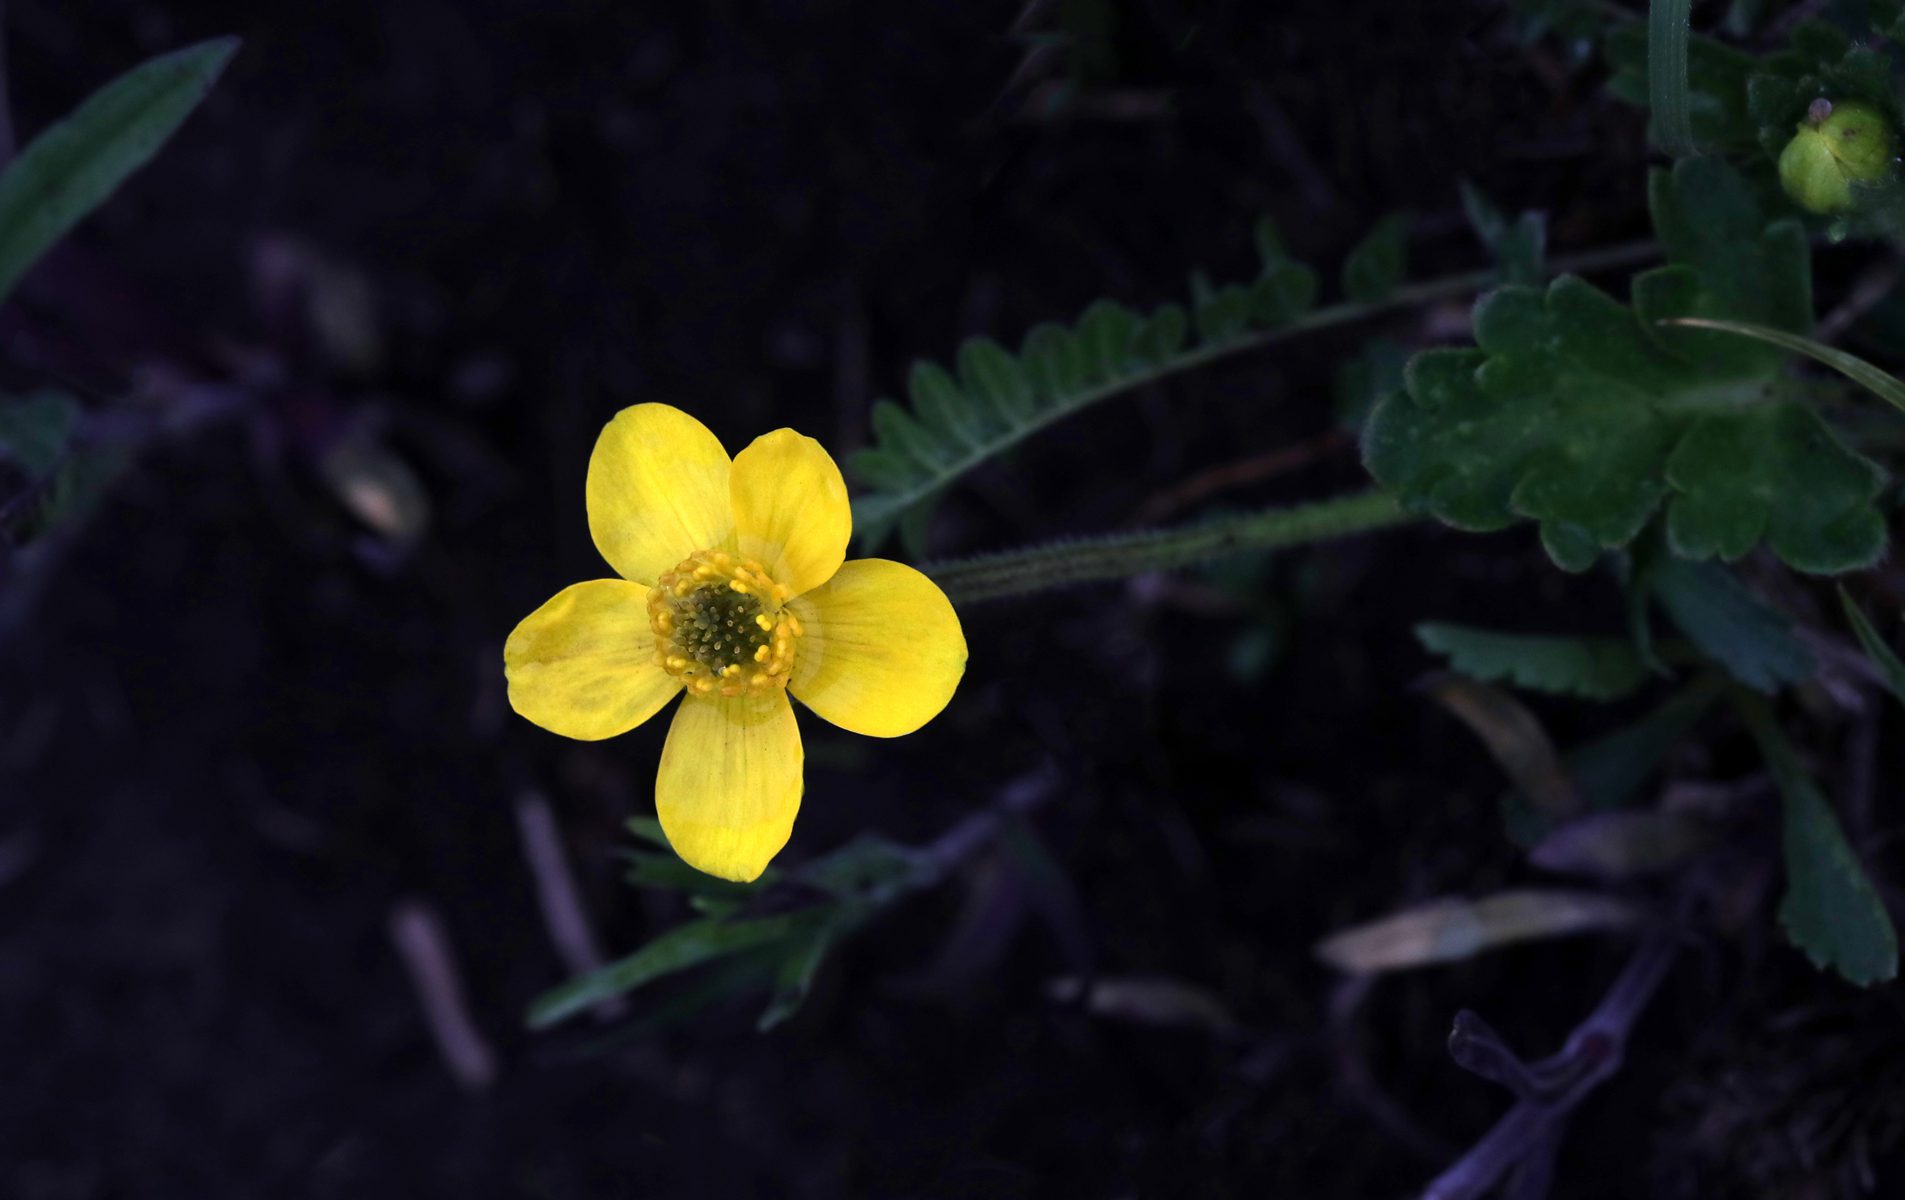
(1063,564)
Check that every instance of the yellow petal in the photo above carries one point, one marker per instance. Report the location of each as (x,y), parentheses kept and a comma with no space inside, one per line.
(790,509)
(583,665)
(729,783)
(883,650)
(657,491)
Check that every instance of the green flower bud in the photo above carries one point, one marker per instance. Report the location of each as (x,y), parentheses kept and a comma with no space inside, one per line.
(1837,145)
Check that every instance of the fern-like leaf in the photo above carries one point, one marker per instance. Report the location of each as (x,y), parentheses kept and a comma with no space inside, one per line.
(994,398)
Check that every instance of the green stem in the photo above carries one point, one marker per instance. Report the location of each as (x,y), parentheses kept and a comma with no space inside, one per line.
(1062,564)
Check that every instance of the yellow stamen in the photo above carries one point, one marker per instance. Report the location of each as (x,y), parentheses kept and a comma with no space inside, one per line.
(720,627)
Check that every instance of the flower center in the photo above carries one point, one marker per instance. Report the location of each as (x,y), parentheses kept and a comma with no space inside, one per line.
(720,626)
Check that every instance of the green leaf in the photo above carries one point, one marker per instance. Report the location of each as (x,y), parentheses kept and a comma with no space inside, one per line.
(1668,32)
(1729,625)
(648,829)
(992,374)
(1881,384)
(35,430)
(1222,314)
(1611,769)
(677,950)
(665,870)
(1888,19)
(1777,474)
(1580,413)
(943,409)
(864,867)
(996,398)
(1377,263)
(795,978)
(1519,249)
(1882,655)
(72,167)
(1590,667)
(1830,910)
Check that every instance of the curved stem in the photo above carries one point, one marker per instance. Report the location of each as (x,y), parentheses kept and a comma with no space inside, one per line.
(1062,564)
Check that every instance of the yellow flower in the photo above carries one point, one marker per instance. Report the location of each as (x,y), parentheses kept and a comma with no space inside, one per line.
(734,590)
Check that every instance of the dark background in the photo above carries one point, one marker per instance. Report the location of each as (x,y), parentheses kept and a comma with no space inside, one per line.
(235,736)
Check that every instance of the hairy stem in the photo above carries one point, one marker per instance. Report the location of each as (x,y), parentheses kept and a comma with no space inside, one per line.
(1062,564)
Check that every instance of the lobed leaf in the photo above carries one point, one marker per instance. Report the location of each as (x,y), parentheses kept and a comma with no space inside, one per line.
(1589,667)
(1830,909)
(1580,413)
(1885,386)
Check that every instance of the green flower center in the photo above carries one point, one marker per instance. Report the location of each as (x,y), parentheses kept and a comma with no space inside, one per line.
(720,626)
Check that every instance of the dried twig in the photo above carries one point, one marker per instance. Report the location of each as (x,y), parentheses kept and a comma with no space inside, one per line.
(424,946)
(1254,469)
(950,850)
(1870,288)
(1522,1145)
(557,895)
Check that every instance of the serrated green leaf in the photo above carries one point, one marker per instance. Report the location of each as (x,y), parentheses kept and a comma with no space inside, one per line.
(1221,314)
(1590,667)
(896,429)
(1376,264)
(1575,412)
(72,167)
(916,454)
(677,950)
(1284,294)
(1162,337)
(1729,624)
(35,430)
(1830,910)
(913,526)
(989,372)
(1891,669)
(945,411)
(1105,334)
(885,469)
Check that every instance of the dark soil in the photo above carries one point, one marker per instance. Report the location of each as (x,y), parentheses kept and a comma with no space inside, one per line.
(234,738)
